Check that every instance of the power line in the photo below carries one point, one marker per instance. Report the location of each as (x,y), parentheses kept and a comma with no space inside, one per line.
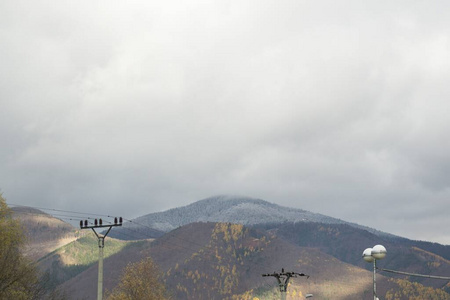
(60,210)
(143,234)
(79,218)
(416,275)
(109,216)
(60,216)
(184,242)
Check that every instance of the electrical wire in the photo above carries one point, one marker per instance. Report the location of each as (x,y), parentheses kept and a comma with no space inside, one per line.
(102,215)
(413,274)
(60,210)
(90,222)
(184,242)
(60,216)
(133,237)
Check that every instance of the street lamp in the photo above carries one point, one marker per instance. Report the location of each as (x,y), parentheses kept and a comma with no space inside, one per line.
(372,255)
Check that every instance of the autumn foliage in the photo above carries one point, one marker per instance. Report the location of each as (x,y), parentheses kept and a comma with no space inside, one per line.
(18,277)
(140,281)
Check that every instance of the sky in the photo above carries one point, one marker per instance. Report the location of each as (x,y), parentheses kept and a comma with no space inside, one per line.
(133,107)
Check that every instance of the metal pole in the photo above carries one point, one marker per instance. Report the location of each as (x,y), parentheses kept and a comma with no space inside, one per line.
(374,279)
(283,280)
(101,245)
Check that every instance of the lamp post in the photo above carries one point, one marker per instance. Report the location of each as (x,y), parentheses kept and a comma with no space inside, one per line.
(372,255)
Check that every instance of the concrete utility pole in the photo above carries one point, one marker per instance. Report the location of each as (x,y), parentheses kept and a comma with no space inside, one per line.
(283,280)
(101,245)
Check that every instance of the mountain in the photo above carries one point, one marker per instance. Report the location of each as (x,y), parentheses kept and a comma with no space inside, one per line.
(44,232)
(345,242)
(237,210)
(225,261)
(75,257)
(342,240)
(60,250)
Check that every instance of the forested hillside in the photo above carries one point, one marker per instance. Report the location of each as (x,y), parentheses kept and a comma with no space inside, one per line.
(75,257)
(345,242)
(225,260)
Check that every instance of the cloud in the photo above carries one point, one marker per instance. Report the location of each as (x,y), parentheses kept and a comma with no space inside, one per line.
(338,108)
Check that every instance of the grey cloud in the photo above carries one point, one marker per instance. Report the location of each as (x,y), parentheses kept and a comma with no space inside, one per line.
(339,108)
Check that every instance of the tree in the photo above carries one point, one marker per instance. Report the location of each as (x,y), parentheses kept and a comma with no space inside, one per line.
(18,277)
(140,281)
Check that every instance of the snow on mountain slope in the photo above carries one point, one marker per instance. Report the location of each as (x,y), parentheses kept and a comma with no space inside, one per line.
(232,209)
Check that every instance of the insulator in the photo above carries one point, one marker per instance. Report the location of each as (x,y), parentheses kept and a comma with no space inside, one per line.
(115,220)
(120,220)
(81,224)
(85,223)
(96,222)
(101,222)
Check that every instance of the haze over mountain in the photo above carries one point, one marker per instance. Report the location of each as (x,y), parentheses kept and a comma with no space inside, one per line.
(224,208)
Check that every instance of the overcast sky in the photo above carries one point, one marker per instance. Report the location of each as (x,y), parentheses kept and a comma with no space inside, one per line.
(132,107)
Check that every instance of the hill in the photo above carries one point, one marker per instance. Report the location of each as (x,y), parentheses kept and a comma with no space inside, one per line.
(60,250)
(44,232)
(236,210)
(225,261)
(333,236)
(75,257)
(209,260)
(346,243)
(222,260)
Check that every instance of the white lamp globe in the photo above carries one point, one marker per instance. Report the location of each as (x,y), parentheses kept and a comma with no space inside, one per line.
(367,255)
(379,252)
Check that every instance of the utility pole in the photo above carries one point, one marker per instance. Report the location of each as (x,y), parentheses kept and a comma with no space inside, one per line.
(283,280)
(101,245)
